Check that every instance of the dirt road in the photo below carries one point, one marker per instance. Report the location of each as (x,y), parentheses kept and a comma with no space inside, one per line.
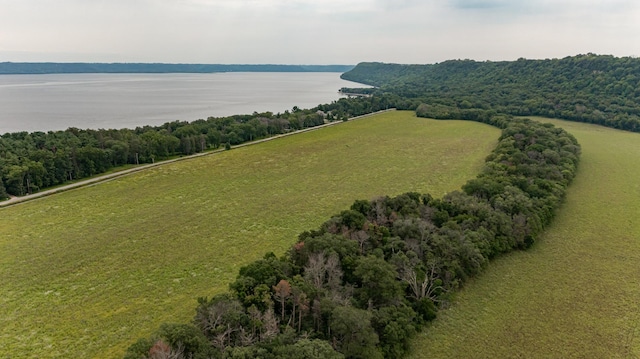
(15,200)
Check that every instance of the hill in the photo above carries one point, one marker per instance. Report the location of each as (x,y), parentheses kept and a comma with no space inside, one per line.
(588,88)
(83,67)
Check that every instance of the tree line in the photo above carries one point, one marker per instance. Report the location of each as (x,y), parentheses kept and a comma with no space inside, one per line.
(30,162)
(369,278)
(590,88)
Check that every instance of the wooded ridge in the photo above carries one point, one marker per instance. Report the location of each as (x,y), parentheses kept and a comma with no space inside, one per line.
(588,88)
(84,67)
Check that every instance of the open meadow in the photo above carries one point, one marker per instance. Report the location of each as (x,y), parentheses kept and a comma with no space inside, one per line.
(576,292)
(87,272)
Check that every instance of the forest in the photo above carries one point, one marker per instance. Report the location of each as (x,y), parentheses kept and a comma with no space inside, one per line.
(590,88)
(365,282)
(30,162)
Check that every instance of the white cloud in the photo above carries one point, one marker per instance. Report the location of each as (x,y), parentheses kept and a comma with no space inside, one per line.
(325,6)
(320,31)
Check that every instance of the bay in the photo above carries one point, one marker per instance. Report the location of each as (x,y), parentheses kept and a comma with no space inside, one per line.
(59,101)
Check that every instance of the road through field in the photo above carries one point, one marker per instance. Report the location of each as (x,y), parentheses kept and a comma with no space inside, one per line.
(101,178)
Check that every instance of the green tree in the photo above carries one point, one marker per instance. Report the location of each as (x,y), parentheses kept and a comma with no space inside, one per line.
(353,334)
(15,179)
(3,191)
(187,339)
(395,327)
(378,285)
(308,349)
(139,349)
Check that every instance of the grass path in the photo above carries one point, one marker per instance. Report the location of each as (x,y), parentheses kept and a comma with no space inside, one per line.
(576,293)
(88,271)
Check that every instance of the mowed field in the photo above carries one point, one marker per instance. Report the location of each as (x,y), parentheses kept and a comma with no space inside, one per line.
(87,272)
(576,293)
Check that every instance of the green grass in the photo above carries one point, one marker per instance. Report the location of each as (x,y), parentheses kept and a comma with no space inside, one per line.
(576,293)
(87,272)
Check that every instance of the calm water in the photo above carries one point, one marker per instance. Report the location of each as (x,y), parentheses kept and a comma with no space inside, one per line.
(56,102)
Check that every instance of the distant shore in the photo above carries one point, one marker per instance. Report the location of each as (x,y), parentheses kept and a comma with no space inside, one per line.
(32,68)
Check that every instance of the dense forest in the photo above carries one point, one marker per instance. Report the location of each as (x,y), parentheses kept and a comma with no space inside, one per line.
(588,88)
(12,68)
(370,277)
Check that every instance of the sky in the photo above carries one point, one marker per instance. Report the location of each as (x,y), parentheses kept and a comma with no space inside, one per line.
(314,31)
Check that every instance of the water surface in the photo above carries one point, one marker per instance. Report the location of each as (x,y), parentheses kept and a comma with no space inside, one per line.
(59,101)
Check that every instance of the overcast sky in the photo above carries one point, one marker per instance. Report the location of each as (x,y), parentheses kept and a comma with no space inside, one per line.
(314,31)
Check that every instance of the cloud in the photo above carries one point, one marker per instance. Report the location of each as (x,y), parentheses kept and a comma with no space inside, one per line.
(324,6)
(481,4)
(318,31)
(536,7)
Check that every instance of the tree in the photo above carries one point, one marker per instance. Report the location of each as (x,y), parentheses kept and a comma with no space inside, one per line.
(186,337)
(308,349)
(3,191)
(352,333)
(323,270)
(395,327)
(255,281)
(315,270)
(282,291)
(377,280)
(139,349)
(15,179)
(161,350)
(221,319)
(397,256)
(425,287)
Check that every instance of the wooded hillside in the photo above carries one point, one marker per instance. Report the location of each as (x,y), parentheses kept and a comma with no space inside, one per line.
(589,88)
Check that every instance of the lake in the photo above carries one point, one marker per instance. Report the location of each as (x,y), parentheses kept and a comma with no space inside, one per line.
(59,101)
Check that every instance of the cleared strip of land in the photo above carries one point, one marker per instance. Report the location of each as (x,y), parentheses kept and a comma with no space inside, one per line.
(576,293)
(88,271)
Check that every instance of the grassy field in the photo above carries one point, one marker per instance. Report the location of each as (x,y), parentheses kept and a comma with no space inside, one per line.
(87,272)
(576,293)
